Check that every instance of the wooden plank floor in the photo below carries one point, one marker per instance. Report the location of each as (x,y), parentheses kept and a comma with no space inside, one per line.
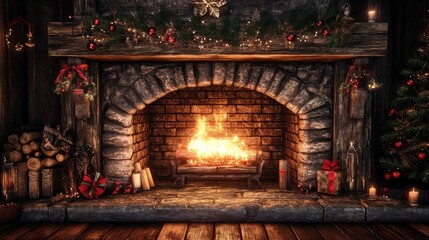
(218,231)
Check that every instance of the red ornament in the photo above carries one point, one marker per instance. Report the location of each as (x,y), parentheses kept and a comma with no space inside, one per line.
(151,31)
(91,46)
(391,112)
(290,37)
(96,21)
(398,144)
(396,174)
(112,27)
(422,155)
(325,32)
(319,23)
(171,39)
(387,176)
(410,82)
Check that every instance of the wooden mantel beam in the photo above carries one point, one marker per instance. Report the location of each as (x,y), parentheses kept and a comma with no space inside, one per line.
(365,40)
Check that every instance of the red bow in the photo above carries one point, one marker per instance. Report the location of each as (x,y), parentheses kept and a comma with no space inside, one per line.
(283,173)
(77,68)
(330,165)
(93,189)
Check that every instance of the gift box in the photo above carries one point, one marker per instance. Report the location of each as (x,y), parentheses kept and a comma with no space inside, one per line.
(329,178)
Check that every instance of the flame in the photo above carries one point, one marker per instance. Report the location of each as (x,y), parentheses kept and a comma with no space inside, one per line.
(211,144)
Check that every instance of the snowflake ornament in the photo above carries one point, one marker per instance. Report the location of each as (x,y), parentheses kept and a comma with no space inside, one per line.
(201,7)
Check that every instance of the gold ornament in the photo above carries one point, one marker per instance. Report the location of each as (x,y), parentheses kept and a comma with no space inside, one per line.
(201,7)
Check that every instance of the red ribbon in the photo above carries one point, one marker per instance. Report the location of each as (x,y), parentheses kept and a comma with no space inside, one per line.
(283,173)
(92,189)
(331,183)
(330,165)
(77,68)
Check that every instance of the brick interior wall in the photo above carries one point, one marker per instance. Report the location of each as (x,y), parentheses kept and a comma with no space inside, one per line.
(141,137)
(291,142)
(252,116)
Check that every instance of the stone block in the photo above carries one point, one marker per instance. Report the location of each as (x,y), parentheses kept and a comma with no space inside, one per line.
(341,209)
(155,88)
(298,101)
(125,80)
(118,116)
(180,77)
(254,77)
(142,89)
(266,79)
(312,104)
(230,73)
(115,128)
(242,75)
(144,69)
(315,123)
(303,71)
(319,112)
(311,158)
(117,152)
(316,147)
(118,168)
(219,73)
(394,211)
(122,103)
(276,83)
(289,90)
(40,212)
(203,74)
(315,135)
(287,210)
(166,77)
(117,140)
(134,99)
(191,81)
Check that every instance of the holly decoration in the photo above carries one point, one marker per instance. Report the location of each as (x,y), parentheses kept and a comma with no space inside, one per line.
(325,32)
(96,21)
(290,37)
(112,27)
(91,46)
(151,31)
(171,39)
(319,23)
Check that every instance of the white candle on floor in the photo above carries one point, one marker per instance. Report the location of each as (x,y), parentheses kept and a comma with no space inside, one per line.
(372,192)
(136,181)
(413,196)
(144,180)
(149,177)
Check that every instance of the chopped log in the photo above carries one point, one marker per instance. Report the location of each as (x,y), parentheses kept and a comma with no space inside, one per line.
(28,136)
(17,146)
(61,157)
(15,156)
(34,146)
(8,147)
(50,153)
(49,162)
(38,154)
(22,167)
(51,182)
(34,184)
(22,184)
(13,138)
(26,149)
(34,164)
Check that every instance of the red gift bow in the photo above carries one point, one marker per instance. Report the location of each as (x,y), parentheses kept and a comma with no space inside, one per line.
(93,189)
(283,173)
(77,68)
(330,165)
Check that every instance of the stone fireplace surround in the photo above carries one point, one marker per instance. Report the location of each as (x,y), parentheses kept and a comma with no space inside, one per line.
(131,93)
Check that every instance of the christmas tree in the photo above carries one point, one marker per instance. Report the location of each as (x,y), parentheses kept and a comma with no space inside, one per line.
(405,136)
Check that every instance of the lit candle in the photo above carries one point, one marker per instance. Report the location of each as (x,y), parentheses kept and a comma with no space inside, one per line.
(372,192)
(371,16)
(413,196)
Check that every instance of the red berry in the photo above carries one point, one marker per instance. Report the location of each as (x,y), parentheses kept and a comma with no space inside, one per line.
(112,27)
(421,155)
(398,144)
(91,46)
(396,174)
(387,176)
(63,90)
(290,37)
(319,23)
(96,21)
(151,31)
(325,32)
(171,39)
(410,82)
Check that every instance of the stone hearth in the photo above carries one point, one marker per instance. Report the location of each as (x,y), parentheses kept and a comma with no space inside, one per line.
(132,92)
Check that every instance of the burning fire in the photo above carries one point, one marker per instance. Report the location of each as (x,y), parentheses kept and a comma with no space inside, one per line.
(212,145)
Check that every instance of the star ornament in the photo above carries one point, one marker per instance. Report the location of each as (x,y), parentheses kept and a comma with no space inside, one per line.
(201,7)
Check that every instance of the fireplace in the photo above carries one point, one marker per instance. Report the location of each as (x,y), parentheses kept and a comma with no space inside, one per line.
(281,110)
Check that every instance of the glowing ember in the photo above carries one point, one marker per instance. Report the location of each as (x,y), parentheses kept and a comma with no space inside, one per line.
(212,145)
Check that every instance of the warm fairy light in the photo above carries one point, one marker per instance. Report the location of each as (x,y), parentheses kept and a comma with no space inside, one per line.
(212,145)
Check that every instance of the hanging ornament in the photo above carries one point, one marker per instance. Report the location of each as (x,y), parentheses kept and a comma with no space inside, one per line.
(201,7)
(29,42)
(96,21)
(319,23)
(325,32)
(91,46)
(398,144)
(387,176)
(290,37)
(396,174)
(151,31)
(171,39)
(410,81)
(112,27)
(391,112)
(421,155)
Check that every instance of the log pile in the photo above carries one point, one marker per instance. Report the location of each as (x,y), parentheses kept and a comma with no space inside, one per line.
(33,157)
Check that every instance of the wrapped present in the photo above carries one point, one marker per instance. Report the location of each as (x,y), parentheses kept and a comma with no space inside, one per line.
(93,188)
(329,178)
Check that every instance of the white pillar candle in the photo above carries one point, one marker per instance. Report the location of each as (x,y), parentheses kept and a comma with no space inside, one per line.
(371,16)
(372,192)
(413,196)
(136,181)
(149,177)
(144,180)
(137,167)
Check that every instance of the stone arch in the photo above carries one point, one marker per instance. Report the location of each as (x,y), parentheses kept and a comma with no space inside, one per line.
(302,88)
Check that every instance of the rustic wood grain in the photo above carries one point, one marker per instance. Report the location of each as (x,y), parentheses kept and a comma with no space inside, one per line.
(15,230)
(381,231)
(306,231)
(330,231)
(200,231)
(95,231)
(356,231)
(118,231)
(149,231)
(4,226)
(41,232)
(227,231)
(253,231)
(173,231)
(405,231)
(68,231)
(422,227)
(279,231)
